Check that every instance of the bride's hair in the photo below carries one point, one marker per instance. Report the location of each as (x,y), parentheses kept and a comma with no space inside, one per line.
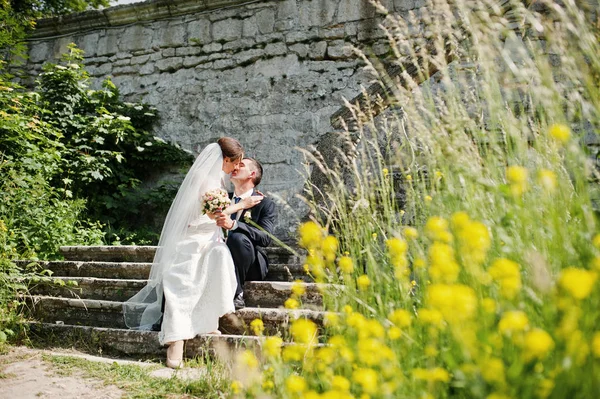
(231,148)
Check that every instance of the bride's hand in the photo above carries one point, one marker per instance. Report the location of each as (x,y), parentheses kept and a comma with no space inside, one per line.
(251,201)
(214,215)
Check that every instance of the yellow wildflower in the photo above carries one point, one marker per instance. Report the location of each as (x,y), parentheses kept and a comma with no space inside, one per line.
(363,282)
(386,172)
(248,359)
(596,241)
(428,198)
(346,264)
(394,333)
(497,395)
(419,263)
(444,267)
(291,303)
(475,241)
(340,383)
(508,276)
(431,351)
(408,178)
(434,374)
(537,344)
(374,236)
(517,178)
(460,220)
(236,387)
(332,319)
(295,384)
(492,370)
(411,233)
(545,388)
(329,247)
(577,347)
(430,316)
(293,353)
(488,305)
(327,355)
(374,329)
(272,346)
(268,385)
(560,132)
(547,179)
(436,229)
(513,321)
(367,379)
(304,331)
(311,235)
(400,318)
(396,247)
(3,226)
(356,320)
(596,344)
(456,302)
(577,282)
(298,288)
(257,326)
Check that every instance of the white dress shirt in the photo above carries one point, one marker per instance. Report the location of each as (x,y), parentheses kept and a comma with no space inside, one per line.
(237,216)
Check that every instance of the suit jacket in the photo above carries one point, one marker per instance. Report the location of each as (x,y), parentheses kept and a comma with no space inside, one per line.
(263,215)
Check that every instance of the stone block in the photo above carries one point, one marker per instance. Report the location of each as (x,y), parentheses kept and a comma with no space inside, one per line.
(135,37)
(101,70)
(142,59)
(189,62)
(120,63)
(187,51)
(239,44)
(352,10)
(227,30)
(223,64)
(168,52)
(265,20)
(302,36)
(124,70)
(249,27)
(39,52)
(404,5)
(299,48)
(275,49)
(317,50)
(248,56)
(287,9)
(199,32)
(169,64)
(61,47)
(170,34)
(88,43)
(335,32)
(284,25)
(212,47)
(316,12)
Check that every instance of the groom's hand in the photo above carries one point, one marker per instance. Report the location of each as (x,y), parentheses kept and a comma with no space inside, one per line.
(224,221)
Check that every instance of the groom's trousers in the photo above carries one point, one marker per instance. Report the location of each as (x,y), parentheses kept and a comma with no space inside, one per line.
(244,254)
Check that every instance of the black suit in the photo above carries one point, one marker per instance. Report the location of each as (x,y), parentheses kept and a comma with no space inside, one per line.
(246,243)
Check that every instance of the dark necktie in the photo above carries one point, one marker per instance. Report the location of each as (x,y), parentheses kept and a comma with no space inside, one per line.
(235,201)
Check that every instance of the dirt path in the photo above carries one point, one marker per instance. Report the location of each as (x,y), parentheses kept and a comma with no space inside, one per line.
(24,375)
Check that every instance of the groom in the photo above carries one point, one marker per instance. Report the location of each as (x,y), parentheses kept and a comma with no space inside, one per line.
(245,240)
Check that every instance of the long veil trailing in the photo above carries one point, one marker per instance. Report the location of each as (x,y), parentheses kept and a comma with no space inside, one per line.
(143,310)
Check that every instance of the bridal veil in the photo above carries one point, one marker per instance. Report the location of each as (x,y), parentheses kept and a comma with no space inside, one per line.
(143,310)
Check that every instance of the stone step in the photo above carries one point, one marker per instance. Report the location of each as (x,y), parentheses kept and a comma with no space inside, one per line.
(138,253)
(140,271)
(272,294)
(130,343)
(101,313)
(257,293)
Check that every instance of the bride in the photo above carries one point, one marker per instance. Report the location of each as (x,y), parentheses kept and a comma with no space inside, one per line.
(192,271)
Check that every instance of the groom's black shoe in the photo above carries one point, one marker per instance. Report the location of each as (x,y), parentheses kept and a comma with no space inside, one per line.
(238,301)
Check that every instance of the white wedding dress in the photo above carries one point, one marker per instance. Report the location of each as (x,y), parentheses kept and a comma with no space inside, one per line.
(192,268)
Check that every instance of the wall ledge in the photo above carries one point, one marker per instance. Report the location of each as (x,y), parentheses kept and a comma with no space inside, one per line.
(126,14)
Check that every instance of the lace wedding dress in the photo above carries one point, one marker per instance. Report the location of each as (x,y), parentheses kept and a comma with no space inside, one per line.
(192,268)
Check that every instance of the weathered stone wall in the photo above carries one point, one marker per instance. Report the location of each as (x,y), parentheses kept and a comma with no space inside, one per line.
(270,73)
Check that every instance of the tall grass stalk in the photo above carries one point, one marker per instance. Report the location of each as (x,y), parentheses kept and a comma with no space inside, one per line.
(459,226)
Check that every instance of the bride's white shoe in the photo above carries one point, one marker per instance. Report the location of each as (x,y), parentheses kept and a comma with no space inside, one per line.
(175,355)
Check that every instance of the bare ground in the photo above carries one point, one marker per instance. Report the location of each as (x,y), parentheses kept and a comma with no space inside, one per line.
(24,374)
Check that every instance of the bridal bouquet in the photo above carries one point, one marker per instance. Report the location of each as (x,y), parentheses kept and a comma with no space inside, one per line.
(215,200)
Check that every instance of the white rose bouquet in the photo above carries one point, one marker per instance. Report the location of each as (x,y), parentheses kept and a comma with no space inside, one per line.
(215,200)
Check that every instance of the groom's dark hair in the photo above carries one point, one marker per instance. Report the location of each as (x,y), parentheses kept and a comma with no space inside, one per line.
(257,168)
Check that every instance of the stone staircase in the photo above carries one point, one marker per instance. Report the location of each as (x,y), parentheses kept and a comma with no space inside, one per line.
(88,314)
